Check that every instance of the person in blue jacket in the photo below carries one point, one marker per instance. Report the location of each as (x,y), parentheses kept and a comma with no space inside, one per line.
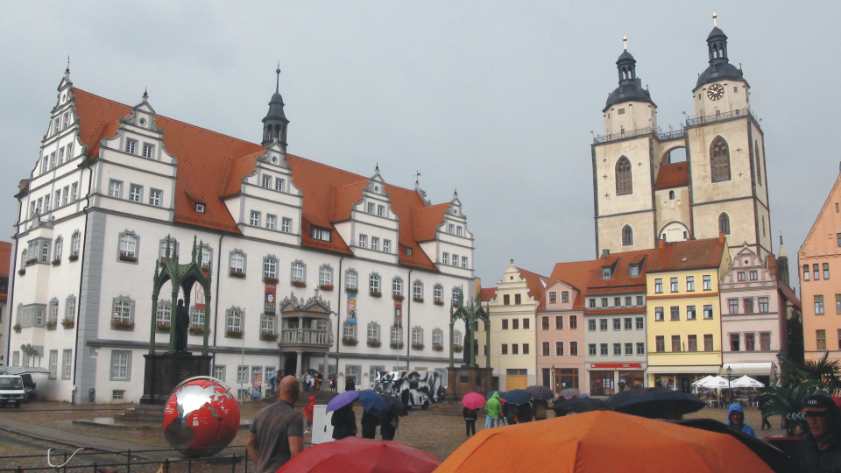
(736,419)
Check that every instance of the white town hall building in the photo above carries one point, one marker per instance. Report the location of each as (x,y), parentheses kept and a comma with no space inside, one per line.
(309,264)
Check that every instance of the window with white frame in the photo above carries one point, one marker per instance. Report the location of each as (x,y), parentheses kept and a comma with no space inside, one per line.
(460,230)
(148,150)
(451,228)
(375,243)
(386,246)
(445,258)
(351,280)
(371,208)
(299,271)
(458,338)
(115,189)
(122,310)
(197,317)
(279,184)
(233,321)
(321,234)
(75,243)
(374,283)
(267,181)
(325,276)
(120,365)
(237,262)
(286,225)
(131,146)
(438,294)
(66,363)
(363,240)
(373,332)
(70,308)
(437,337)
(156,197)
(135,193)
(52,312)
(53,365)
(396,335)
(128,246)
(74,191)
(219,372)
(205,256)
(168,248)
(271,221)
(464,263)
(381,210)
(417,336)
(417,291)
(349,330)
(458,296)
(242,374)
(270,267)
(57,248)
(268,324)
(397,287)
(254,218)
(163,315)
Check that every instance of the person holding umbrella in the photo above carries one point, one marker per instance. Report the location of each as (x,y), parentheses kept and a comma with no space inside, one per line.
(472,402)
(492,411)
(343,419)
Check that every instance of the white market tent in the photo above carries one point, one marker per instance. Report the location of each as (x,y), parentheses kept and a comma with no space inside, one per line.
(700,381)
(714,382)
(746,382)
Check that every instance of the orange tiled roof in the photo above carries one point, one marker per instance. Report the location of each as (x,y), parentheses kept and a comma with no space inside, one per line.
(211,166)
(487,293)
(5,255)
(577,274)
(687,255)
(621,281)
(672,175)
(536,284)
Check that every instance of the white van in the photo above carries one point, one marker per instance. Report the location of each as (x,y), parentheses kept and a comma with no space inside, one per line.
(12,390)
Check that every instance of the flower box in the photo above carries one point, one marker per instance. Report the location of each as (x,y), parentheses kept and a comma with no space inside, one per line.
(373,343)
(396,345)
(73,257)
(52,324)
(122,325)
(437,347)
(56,262)
(197,330)
(268,280)
(128,258)
(417,346)
(349,341)
(351,289)
(68,323)
(162,326)
(397,297)
(233,333)
(326,287)
(299,284)
(458,348)
(375,293)
(235,273)
(268,336)
(439,302)
(417,299)
(17,328)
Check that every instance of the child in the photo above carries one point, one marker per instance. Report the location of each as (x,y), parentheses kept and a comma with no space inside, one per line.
(470,416)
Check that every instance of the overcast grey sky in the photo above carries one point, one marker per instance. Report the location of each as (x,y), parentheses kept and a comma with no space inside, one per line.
(494,98)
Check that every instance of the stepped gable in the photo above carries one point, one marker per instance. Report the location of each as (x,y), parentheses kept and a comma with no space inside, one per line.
(536,284)
(211,167)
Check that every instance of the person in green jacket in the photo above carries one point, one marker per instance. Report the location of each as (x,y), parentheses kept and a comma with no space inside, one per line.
(492,407)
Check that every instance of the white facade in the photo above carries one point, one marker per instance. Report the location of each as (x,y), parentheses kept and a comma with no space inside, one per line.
(85,312)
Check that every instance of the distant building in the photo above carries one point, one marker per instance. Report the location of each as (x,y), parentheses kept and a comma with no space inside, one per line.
(5,270)
(819,258)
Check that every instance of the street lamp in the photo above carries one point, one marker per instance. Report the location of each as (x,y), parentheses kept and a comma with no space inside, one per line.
(730,382)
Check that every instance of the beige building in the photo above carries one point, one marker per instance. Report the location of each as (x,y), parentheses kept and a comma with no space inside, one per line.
(645,191)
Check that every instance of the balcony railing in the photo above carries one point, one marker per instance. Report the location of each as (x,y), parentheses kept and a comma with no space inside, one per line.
(741,112)
(625,134)
(310,337)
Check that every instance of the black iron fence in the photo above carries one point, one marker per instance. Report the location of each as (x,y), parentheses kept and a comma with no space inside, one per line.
(230,460)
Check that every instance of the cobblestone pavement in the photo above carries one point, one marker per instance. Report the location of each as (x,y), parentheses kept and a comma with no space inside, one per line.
(437,430)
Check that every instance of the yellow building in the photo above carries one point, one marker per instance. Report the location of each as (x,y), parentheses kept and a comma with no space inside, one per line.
(683,312)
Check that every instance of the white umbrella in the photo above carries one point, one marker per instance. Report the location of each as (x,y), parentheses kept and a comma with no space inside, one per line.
(698,382)
(715,382)
(746,382)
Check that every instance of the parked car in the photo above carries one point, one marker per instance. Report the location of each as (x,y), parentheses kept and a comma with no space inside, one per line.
(28,376)
(12,389)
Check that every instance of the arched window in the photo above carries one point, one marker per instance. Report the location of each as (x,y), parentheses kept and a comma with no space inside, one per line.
(624,184)
(438,294)
(122,313)
(724,224)
(299,272)
(75,243)
(128,246)
(671,195)
(233,322)
(351,280)
(627,236)
(270,268)
(237,262)
(417,338)
(58,246)
(397,287)
(375,283)
(758,162)
(325,277)
(417,291)
(719,160)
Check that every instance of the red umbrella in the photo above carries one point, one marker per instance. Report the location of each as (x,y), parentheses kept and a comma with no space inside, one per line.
(473,400)
(356,455)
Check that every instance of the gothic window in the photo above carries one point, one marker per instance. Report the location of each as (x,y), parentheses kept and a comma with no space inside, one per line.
(57,247)
(627,236)
(624,184)
(758,162)
(719,160)
(724,224)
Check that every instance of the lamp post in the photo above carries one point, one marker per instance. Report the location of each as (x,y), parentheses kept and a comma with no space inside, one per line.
(730,382)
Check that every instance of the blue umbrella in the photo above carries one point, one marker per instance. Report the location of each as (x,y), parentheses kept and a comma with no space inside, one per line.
(517,397)
(371,401)
(341,400)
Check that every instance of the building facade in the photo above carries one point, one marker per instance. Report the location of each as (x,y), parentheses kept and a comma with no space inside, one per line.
(683,312)
(643,190)
(820,290)
(310,265)
(560,337)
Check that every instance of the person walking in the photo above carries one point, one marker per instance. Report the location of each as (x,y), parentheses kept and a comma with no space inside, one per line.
(736,419)
(344,422)
(492,411)
(277,432)
(820,448)
(370,421)
(470,416)
(388,428)
(308,411)
(765,424)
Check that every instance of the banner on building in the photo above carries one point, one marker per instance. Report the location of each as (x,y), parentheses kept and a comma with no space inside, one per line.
(351,309)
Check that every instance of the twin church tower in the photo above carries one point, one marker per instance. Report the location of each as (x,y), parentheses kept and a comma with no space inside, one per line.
(644,193)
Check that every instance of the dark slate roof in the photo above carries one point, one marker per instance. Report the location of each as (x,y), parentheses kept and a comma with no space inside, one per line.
(628,91)
(275,108)
(719,71)
(716,33)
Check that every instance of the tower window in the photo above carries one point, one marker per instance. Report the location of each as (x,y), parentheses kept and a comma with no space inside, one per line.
(624,184)
(724,224)
(758,162)
(627,236)
(671,195)
(719,160)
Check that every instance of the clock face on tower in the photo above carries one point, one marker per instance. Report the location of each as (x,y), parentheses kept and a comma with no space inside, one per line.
(715,92)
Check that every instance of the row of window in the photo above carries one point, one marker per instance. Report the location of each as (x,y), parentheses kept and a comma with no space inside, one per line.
(559,349)
(255,219)
(52,312)
(515,349)
(617,349)
(752,275)
(748,306)
(820,340)
(750,341)
(373,334)
(56,159)
(61,197)
(677,346)
(515,324)
(820,308)
(674,313)
(816,271)
(454,229)
(559,322)
(60,123)
(629,301)
(630,323)
(273,182)
(553,297)
(33,361)
(147,150)
(135,193)
(362,242)
(374,208)
(454,261)
(674,286)
(38,249)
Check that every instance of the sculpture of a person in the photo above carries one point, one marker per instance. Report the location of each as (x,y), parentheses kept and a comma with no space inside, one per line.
(182,323)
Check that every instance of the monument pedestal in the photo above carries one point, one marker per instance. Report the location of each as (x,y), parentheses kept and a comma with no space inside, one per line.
(466,379)
(165,370)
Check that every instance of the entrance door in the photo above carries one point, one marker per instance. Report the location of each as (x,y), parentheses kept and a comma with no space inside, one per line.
(290,363)
(546,380)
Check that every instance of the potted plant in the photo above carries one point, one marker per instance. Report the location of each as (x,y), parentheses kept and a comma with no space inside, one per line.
(326,287)
(233,333)
(298,283)
(349,341)
(269,280)
(375,293)
(439,301)
(56,261)
(120,324)
(21,271)
(457,348)
(397,296)
(17,328)
(268,336)
(197,329)
(373,343)
(162,326)
(438,347)
(417,299)
(237,273)
(73,256)
(417,346)
(52,324)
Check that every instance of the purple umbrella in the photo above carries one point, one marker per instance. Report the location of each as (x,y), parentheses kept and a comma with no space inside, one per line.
(341,400)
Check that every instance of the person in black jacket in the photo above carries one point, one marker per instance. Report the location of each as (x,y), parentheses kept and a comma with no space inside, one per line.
(370,421)
(470,416)
(344,422)
(524,413)
(389,422)
(820,449)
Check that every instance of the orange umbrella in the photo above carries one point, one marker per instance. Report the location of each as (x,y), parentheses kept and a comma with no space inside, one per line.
(598,442)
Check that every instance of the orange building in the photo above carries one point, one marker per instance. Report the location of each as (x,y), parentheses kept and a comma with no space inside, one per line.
(820,290)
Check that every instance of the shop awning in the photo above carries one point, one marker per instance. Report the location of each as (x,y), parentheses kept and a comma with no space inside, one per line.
(756,369)
(711,369)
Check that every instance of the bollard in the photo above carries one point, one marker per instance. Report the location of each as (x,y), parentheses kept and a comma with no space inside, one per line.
(234,463)
(128,461)
(166,465)
(189,465)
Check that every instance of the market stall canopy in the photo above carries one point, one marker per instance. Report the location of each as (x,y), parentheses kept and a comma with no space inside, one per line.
(715,382)
(746,382)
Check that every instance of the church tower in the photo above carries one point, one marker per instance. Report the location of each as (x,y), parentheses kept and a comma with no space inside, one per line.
(275,122)
(623,168)
(726,150)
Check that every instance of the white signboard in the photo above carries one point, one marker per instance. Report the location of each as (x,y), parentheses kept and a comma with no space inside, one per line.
(322,429)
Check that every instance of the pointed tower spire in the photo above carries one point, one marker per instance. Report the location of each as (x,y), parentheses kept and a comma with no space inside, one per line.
(275,123)
(67,69)
(277,79)
(625,42)
(145,94)
(630,86)
(720,67)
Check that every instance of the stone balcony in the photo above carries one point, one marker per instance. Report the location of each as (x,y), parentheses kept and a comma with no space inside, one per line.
(306,339)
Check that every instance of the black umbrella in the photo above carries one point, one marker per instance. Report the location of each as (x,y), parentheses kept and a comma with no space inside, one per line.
(540,393)
(577,405)
(396,406)
(517,397)
(655,403)
(771,455)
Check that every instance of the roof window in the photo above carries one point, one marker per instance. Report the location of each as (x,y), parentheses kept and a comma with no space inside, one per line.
(200,208)
(606,273)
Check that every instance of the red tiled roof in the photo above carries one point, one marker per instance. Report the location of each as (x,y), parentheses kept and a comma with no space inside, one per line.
(211,167)
(687,255)
(487,293)
(621,281)
(536,284)
(577,274)
(672,175)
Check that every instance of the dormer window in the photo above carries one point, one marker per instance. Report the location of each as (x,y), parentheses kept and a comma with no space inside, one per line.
(371,208)
(606,273)
(381,210)
(321,234)
(200,208)
(407,251)
(634,270)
